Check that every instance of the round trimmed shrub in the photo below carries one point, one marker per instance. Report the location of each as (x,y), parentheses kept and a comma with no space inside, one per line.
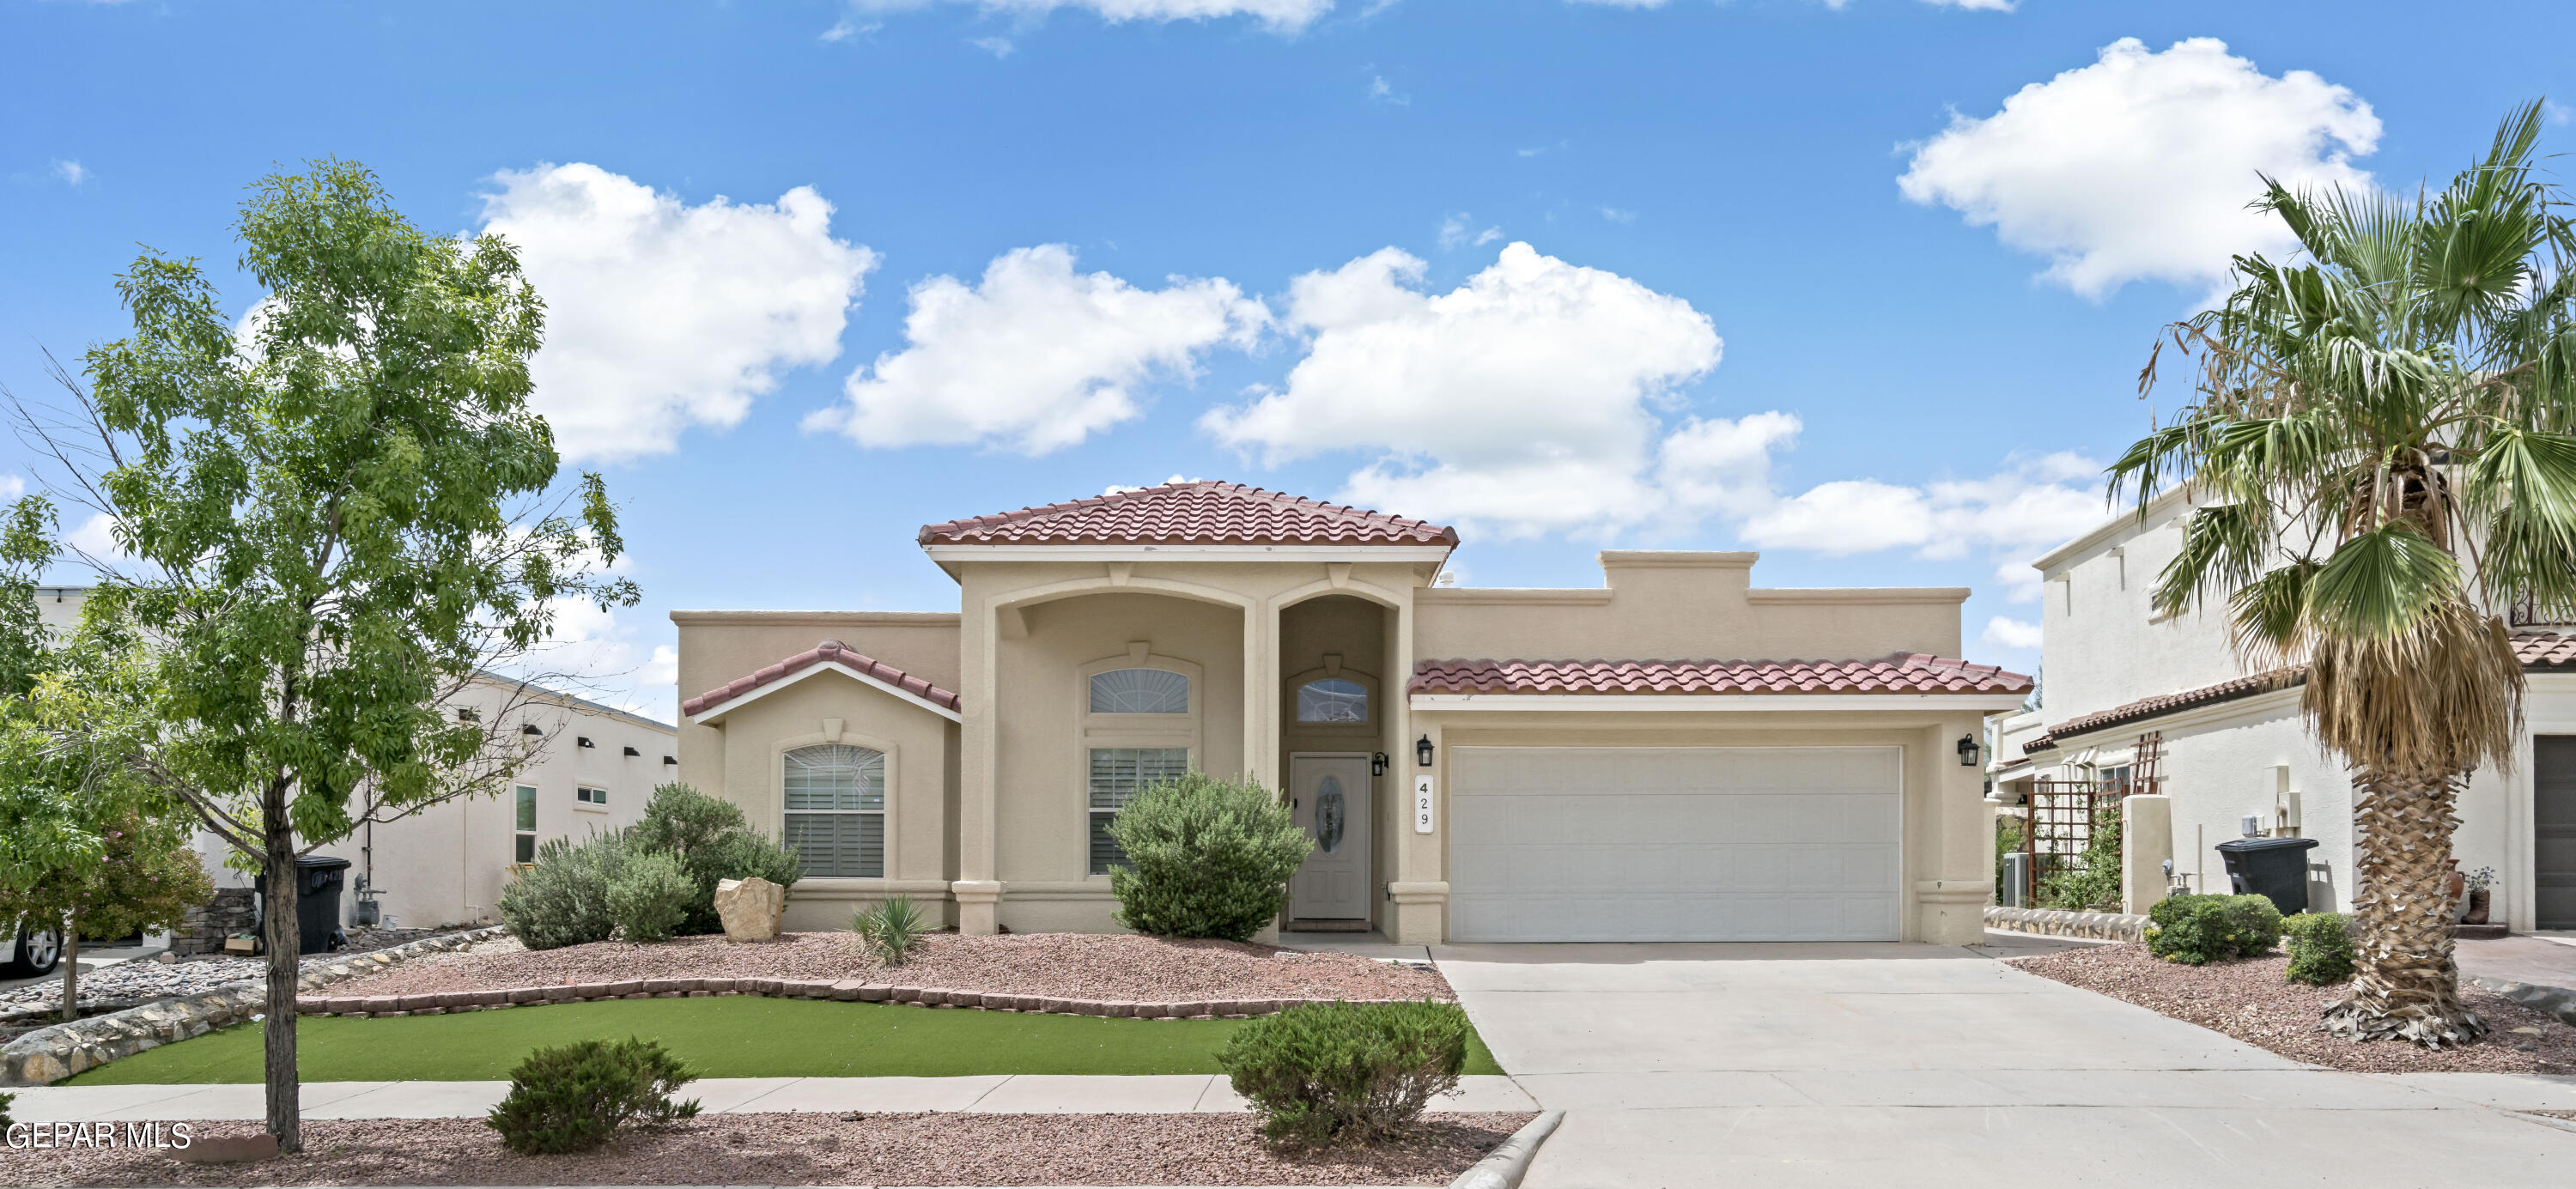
(563,899)
(575,1097)
(2196,930)
(1205,858)
(649,896)
(2320,948)
(1346,1074)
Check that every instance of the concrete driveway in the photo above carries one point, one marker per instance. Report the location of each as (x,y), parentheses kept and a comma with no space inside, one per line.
(1914,1065)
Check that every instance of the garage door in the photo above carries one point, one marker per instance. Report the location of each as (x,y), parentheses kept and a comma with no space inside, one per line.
(1674,843)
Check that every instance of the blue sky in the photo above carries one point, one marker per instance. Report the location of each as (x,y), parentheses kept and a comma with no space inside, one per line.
(1865,286)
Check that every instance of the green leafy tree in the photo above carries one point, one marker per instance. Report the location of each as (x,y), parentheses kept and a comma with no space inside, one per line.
(338,519)
(2382,446)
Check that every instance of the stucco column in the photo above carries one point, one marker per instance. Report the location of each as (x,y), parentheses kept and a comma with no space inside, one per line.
(1420,893)
(1956,873)
(1260,688)
(978,890)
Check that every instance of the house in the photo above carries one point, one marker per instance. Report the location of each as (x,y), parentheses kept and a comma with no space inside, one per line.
(1675,755)
(2232,742)
(593,767)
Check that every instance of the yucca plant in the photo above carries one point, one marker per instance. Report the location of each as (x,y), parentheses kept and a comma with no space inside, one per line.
(2380,445)
(892,929)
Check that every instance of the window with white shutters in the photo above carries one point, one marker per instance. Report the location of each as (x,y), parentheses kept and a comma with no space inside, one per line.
(836,810)
(1117,775)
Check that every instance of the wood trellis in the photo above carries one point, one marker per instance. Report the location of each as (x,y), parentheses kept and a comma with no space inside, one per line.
(2062,813)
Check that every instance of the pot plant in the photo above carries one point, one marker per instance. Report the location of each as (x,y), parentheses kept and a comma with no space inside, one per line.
(2481,883)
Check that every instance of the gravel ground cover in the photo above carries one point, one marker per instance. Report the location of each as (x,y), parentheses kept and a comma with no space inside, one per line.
(126,984)
(804,1149)
(1071,965)
(2252,1001)
(733,1036)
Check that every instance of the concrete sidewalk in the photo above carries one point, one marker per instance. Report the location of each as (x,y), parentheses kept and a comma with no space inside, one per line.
(1022,1094)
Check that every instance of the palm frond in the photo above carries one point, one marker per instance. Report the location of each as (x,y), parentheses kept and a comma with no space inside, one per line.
(2442,696)
(2222,550)
(2270,615)
(2380,583)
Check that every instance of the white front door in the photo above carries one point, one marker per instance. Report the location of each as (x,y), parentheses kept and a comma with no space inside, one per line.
(1332,794)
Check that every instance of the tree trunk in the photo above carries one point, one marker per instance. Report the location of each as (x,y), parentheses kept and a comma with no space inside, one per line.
(2406,985)
(71,970)
(279,931)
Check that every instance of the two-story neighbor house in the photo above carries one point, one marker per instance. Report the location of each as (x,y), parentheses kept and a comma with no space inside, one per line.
(1676,755)
(2233,744)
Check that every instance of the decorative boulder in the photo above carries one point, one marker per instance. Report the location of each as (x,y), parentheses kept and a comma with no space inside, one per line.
(750,908)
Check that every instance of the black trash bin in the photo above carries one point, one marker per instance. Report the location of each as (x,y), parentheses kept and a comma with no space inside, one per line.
(317,901)
(2273,868)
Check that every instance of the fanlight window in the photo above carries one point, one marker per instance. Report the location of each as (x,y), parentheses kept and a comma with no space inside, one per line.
(1332,700)
(836,810)
(1140,691)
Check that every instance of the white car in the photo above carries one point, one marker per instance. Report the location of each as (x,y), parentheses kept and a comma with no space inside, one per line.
(33,952)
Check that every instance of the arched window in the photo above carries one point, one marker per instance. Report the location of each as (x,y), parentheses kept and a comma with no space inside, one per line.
(836,810)
(1140,691)
(1332,700)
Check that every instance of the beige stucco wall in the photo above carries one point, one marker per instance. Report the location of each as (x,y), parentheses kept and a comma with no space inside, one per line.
(718,646)
(1676,606)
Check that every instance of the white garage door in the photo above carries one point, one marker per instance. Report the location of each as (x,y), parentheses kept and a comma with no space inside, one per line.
(1674,843)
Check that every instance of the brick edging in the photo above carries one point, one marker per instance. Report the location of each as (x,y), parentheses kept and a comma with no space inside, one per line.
(845,990)
(2059,922)
(49,1055)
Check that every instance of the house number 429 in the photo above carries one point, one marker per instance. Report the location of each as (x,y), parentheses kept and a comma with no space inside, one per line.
(1421,804)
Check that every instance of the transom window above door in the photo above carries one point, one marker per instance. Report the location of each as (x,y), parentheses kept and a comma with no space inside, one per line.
(836,810)
(1332,700)
(1140,691)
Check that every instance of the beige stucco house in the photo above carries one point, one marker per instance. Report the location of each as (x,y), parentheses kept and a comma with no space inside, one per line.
(1675,755)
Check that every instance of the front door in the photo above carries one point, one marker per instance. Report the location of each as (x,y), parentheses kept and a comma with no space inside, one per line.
(2553,832)
(1332,804)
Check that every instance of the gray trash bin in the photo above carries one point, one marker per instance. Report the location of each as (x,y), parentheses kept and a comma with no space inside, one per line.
(2274,868)
(317,902)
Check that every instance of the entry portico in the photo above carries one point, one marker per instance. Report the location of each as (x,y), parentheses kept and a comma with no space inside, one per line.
(973,759)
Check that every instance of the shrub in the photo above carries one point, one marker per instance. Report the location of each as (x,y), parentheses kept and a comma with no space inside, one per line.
(1346,1073)
(2196,930)
(563,899)
(891,929)
(713,841)
(1205,858)
(2320,948)
(649,896)
(2091,881)
(572,1098)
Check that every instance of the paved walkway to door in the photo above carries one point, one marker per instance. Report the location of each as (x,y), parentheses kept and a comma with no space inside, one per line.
(1928,1066)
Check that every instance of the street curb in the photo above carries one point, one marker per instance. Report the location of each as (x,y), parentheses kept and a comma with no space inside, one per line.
(1504,1167)
(2556,1001)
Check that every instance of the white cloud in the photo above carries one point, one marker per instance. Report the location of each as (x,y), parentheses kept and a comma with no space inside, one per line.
(73,173)
(1279,16)
(2140,165)
(1616,215)
(1120,488)
(1519,401)
(661,315)
(95,540)
(11,487)
(1035,357)
(999,47)
(1620,3)
(1458,231)
(2029,506)
(1381,91)
(2011,633)
(1976,5)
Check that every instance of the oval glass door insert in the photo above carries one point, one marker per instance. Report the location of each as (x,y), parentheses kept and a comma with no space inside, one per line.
(1328,815)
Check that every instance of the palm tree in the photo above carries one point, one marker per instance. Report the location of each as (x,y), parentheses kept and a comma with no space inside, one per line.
(2380,445)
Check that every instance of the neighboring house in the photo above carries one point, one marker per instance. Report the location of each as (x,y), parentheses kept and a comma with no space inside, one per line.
(1642,761)
(594,768)
(2233,743)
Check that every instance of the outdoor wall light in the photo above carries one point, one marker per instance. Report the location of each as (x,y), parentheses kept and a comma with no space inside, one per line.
(1968,751)
(584,740)
(1377,764)
(531,729)
(1422,751)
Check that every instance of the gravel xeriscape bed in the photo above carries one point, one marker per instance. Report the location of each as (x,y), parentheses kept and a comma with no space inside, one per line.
(1071,965)
(2252,1001)
(126,984)
(805,1149)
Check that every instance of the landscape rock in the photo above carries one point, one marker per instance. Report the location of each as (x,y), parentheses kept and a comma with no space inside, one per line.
(750,908)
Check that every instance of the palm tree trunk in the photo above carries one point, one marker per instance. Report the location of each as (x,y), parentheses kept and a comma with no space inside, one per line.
(2407,986)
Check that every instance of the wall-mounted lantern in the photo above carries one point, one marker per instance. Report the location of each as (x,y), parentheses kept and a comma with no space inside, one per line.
(1377,764)
(584,740)
(532,729)
(1968,751)
(668,761)
(631,751)
(1422,751)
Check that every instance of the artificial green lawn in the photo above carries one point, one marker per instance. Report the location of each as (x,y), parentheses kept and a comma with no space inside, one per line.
(719,1037)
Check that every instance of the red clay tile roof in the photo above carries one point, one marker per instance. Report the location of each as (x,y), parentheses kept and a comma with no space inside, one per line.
(2164,704)
(2546,650)
(1205,512)
(1903,673)
(2036,746)
(827,652)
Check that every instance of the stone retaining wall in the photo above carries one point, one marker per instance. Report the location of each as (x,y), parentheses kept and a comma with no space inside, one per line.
(2556,1001)
(846,990)
(52,1054)
(2058,922)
